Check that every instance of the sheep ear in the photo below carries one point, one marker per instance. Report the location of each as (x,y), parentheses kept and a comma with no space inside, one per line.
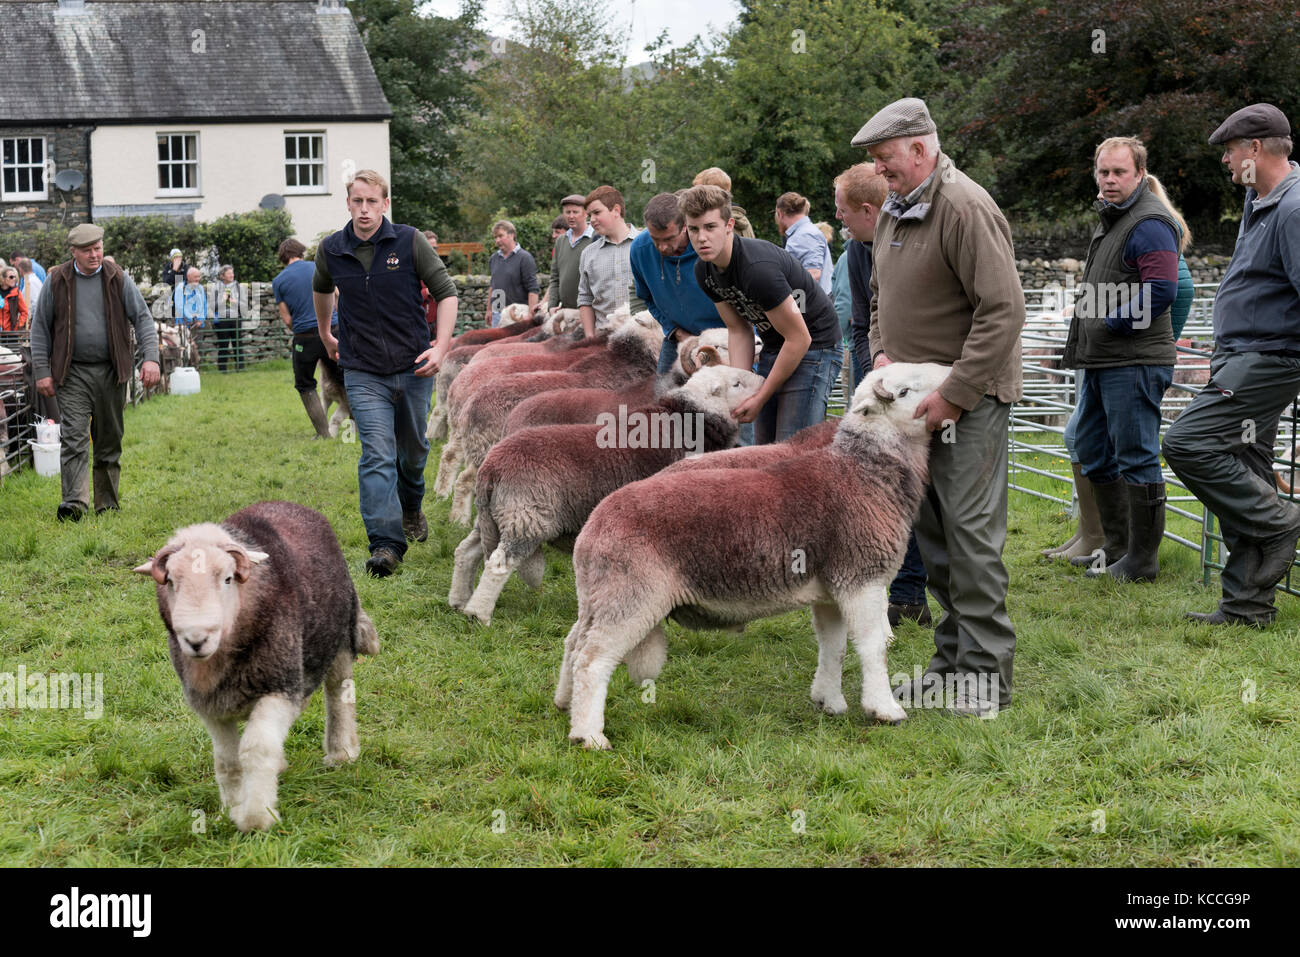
(145,569)
(157,566)
(708,356)
(244,561)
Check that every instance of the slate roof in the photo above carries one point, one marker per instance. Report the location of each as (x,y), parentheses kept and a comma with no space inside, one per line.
(133,61)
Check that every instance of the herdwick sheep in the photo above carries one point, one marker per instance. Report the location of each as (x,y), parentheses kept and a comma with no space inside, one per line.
(829,530)
(540,484)
(759,456)
(632,353)
(463,348)
(259,610)
(333,393)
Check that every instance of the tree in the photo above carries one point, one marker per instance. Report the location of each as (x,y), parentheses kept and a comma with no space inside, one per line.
(1060,78)
(421,64)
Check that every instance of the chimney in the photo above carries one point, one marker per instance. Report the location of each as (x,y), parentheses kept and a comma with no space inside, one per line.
(324,7)
(71,8)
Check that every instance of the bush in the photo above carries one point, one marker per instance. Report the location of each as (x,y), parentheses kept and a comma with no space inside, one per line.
(140,244)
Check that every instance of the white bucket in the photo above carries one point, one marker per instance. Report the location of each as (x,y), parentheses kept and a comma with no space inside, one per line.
(47,433)
(184,380)
(46,457)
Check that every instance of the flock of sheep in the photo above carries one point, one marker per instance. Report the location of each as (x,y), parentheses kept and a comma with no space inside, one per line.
(257,619)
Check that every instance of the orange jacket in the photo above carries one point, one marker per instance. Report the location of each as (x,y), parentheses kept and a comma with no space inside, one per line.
(13,311)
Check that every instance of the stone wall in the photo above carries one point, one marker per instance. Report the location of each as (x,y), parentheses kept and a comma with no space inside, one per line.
(68,147)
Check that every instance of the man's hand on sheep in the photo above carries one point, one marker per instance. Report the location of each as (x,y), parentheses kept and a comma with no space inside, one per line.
(882,360)
(937,411)
(748,410)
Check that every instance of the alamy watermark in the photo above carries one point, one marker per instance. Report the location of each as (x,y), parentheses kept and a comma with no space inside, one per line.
(651,430)
(54,691)
(936,693)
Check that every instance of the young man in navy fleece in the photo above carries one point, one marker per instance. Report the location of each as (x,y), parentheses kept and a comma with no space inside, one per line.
(1123,336)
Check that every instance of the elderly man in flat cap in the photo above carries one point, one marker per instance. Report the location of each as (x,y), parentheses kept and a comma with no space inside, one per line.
(81,350)
(567,255)
(945,289)
(1222,444)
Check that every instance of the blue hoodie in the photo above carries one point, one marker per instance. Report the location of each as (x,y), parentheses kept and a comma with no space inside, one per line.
(667,286)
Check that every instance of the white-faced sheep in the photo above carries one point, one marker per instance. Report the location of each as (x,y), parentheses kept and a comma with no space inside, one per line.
(631,354)
(540,485)
(827,528)
(259,610)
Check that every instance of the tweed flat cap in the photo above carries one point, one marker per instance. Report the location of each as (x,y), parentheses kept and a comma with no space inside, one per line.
(907,117)
(573,199)
(1255,122)
(87,234)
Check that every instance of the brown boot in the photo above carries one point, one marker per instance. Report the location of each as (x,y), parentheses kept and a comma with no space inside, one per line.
(1089,536)
(315,412)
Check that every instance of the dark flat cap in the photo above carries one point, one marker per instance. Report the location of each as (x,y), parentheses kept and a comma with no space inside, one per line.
(1255,122)
(907,117)
(87,234)
(573,199)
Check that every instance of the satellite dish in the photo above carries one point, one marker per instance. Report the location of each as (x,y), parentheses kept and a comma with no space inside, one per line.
(69,179)
(272,201)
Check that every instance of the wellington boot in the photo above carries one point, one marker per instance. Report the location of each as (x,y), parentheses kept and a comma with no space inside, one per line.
(1088,537)
(1146,527)
(1112,506)
(315,412)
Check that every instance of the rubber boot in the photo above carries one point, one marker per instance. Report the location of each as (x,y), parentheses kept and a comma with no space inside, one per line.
(1146,527)
(1088,537)
(315,412)
(1112,506)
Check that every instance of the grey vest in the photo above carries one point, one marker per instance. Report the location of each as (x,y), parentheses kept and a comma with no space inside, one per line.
(1107,284)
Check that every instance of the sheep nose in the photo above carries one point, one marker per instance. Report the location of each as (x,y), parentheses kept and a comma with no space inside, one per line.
(195,644)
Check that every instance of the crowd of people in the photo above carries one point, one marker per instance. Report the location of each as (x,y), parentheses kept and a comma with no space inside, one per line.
(928,275)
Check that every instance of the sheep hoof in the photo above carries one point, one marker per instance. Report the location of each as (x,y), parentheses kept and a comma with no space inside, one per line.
(458,601)
(561,704)
(887,715)
(248,817)
(831,704)
(342,756)
(592,742)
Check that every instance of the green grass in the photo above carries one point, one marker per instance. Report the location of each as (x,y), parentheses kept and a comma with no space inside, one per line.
(1120,708)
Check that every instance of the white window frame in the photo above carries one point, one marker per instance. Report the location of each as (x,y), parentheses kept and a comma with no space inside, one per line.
(197,188)
(320,161)
(43,165)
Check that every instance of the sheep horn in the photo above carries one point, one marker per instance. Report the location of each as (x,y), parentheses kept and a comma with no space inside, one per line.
(708,356)
(883,394)
(687,352)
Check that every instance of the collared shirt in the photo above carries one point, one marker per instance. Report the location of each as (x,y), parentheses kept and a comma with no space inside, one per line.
(909,206)
(805,242)
(587,233)
(605,279)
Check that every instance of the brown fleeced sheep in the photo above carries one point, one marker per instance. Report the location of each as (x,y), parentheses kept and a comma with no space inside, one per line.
(631,353)
(827,528)
(758,456)
(259,611)
(540,485)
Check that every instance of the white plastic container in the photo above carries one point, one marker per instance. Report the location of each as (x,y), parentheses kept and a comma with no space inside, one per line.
(184,380)
(46,457)
(47,433)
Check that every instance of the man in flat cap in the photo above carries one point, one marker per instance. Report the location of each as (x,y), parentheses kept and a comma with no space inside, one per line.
(1222,444)
(945,289)
(567,254)
(81,350)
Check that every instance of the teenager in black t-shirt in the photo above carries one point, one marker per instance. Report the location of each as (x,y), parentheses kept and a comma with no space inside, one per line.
(753,281)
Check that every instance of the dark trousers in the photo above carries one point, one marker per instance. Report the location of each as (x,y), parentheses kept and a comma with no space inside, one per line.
(92,401)
(1222,449)
(227,334)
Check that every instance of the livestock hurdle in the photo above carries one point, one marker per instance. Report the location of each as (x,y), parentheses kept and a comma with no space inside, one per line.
(1050,399)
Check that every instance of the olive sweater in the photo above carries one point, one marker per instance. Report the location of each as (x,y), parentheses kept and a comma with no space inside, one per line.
(945,289)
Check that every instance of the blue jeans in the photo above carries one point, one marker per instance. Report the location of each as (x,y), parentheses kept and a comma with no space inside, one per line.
(390,412)
(667,355)
(801,400)
(908,586)
(859,373)
(1072,427)
(1118,435)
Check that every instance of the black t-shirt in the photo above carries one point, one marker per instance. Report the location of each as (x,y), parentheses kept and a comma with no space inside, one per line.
(760,277)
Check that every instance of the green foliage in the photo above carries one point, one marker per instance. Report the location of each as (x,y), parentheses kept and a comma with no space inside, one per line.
(1039,85)
(421,64)
(248,242)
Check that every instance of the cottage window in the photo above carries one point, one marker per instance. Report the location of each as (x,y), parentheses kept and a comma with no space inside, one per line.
(178,164)
(304,161)
(22,171)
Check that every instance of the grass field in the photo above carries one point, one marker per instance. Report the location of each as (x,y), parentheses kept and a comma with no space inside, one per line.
(1135,739)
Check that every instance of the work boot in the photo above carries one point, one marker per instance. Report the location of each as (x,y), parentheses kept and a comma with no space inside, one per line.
(1112,506)
(1088,537)
(1146,527)
(919,613)
(415,526)
(1276,555)
(1219,617)
(315,412)
(382,562)
(69,512)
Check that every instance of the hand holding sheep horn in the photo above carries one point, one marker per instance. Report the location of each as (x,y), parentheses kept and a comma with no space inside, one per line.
(832,539)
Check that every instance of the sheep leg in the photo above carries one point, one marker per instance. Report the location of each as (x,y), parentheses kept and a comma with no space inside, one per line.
(564,686)
(865,614)
(595,657)
(225,755)
(496,571)
(646,660)
(261,757)
(532,570)
(367,637)
(341,744)
(462,501)
(437,426)
(448,465)
(469,555)
(832,641)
